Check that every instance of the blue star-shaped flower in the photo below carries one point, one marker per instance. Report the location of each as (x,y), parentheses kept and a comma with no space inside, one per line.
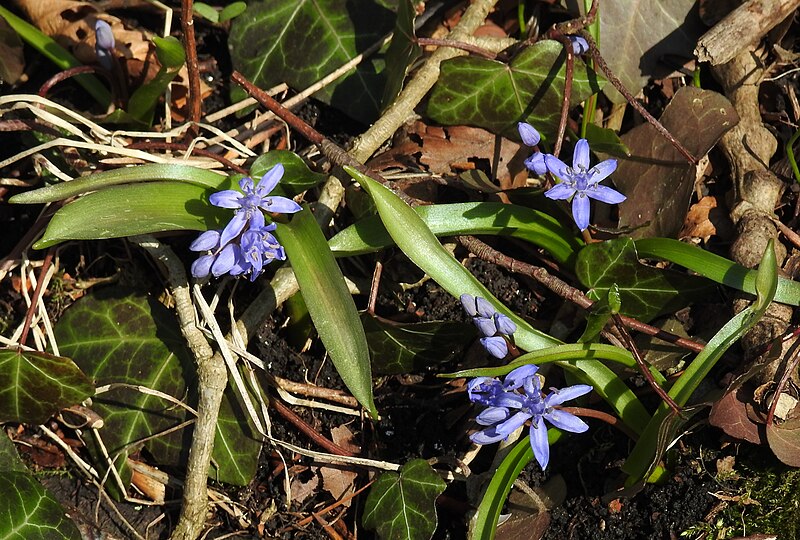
(581,183)
(518,399)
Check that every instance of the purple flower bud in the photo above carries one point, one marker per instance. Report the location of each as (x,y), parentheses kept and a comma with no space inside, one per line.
(579,45)
(504,325)
(528,134)
(536,163)
(104,36)
(496,346)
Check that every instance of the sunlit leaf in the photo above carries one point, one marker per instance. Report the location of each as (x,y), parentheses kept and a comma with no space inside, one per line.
(645,292)
(297,177)
(301,41)
(36,385)
(329,302)
(495,96)
(120,337)
(402,506)
(29,511)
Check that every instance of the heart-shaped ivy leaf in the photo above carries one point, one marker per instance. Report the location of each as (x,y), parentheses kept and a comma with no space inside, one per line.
(644,291)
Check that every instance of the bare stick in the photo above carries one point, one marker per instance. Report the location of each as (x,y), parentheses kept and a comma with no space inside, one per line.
(189,45)
(37,293)
(457,45)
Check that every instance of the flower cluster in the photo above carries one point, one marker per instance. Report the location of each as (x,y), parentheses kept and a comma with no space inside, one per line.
(493,325)
(579,181)
(246,244)
(517,399)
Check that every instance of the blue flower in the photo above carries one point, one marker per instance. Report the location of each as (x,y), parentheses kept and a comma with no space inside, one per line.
(516,400)
(104,44)
(249,203)
(531,137)
(490,323)
(258,248)
(579,45)
(581,183)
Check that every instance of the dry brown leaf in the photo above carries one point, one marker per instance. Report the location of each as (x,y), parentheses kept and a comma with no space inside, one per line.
(303,490)
(730,414)
(336,481)
(706,219)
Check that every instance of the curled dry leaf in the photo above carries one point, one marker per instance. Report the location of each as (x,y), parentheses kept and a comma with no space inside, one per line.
(706,219)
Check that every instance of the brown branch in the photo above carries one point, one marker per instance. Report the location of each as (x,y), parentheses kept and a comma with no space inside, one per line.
(568,74)
(631,345)
(309,431)
(37,293)
(456,45)
(605,417)
(189,45)
(564,290)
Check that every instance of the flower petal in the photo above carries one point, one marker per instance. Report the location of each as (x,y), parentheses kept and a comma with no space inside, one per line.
(202,266)
(233,228)
(496,346)
(206,241)
(504,325)
(533,388)
(492,415)
(557,397)
(516,378)
(556,166)
(580,210)
(566,421)
(256,220)
(580,157)
(485,309)
(602,170)
(536,163)
(228,198)
(485,326)
(579,45)
(539,444)
(560,192)
(487,436)
(605,194)
(528,134)
(269,180)
(483,389)
(468,302)
(513,423)
(281,205)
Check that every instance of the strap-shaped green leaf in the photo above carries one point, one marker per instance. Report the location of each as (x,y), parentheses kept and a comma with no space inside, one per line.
(329,303)
(661,428)
(527,224)
(151,172)
(135,209)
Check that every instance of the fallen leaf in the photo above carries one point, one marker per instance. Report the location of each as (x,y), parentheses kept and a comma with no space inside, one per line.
(784,440)
(730,415)
(302,490)
(705,219)
(338,481)
(656,179)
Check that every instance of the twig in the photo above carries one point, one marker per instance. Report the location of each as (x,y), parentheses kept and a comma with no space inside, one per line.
(564,290)
(183,147)
(37,293)
(605,417)
(309,519)
(189,45)
(631,345)
(456,45)
(568,73)
(309,431)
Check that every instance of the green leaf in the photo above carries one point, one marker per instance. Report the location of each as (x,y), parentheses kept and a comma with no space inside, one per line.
(12,59)
(142,105)
(527,224)
(231,11)
(412,235)
(169,52)
(9,458)
(29,511)
(606,141)
(495,96)
(206,11)
(664,424)
(36,385)
(301,41)
(600,313)
(404,348)
(297,177)
(151,172)
(403,51)
(120,337)
(645,292)
(329,302)
(714,267)
(135,209)
(402,506)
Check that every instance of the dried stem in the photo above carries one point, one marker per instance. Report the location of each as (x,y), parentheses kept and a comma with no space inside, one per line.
(183,147)
(605,417)
(568,73)
(37,293)
(564,290)
(456,45)
(309,431)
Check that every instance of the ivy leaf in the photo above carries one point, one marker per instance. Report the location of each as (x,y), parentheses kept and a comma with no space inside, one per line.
(644,291)
(403,51)
(117,336)
(297,177)
(301,41)
(402,506)
(606,141)
(495,96)
(36,385)
(29,511)
(403,348)
(599,314)
(9,458)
